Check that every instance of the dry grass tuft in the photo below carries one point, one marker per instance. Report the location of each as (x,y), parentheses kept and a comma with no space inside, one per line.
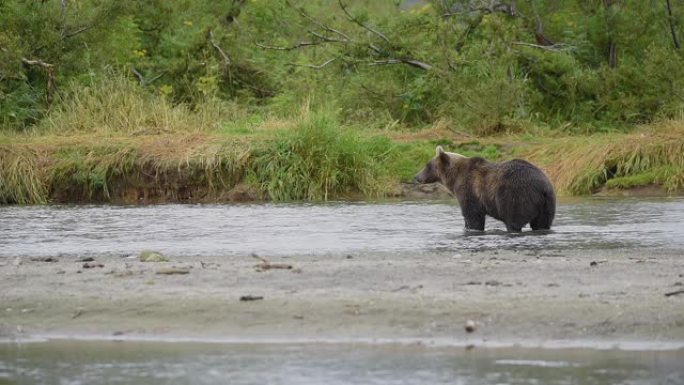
(581,165)
(117,105)
(22,178)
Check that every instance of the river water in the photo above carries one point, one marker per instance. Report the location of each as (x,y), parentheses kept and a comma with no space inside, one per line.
(157,363)
(325,229)
(322,229)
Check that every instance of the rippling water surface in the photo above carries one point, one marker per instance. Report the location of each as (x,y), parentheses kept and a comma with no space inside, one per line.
(333,228)
(325,229)
(105,363)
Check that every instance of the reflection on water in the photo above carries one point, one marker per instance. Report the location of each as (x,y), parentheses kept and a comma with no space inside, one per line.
(94,363)
(335,228)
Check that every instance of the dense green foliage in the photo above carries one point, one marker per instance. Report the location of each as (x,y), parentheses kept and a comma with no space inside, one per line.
(481,66)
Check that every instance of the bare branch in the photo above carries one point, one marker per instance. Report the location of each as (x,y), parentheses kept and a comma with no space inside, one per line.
(417,64)
(328,39)
(36,63)
(670,20)
(410,62)
(49,68)
(555,47)
(493,7)
(317,67)
(321,38)
(78,31)
(384,62)
(290,48)
(156,78)
(318,23)
(226,59)
(141,78)
(138,75)
(362,25)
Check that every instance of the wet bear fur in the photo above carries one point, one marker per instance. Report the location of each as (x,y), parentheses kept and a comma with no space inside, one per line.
(515,192)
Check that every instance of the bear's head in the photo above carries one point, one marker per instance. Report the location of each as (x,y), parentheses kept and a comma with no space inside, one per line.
(438,166)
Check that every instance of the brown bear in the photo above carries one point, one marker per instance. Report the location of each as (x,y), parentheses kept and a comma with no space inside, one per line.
(515,192)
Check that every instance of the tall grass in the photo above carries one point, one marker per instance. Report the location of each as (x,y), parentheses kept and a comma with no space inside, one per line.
(22,178)
(319,160)
(582,165)
(116,104)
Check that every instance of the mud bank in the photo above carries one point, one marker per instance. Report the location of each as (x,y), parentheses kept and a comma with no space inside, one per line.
(581,298)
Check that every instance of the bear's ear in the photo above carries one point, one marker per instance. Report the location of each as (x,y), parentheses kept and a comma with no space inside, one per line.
(443,156)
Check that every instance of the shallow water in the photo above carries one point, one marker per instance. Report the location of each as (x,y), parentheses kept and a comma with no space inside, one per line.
(94,363)
(333,228)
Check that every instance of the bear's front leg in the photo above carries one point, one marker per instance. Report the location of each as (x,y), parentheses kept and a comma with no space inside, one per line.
(474,217)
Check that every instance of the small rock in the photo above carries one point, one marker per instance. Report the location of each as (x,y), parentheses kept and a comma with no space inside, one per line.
(60,271)
(85,259)
(91,265)
(209,265)
(152,256)
(44,259)
(492,283)
(174,270)
(470,326)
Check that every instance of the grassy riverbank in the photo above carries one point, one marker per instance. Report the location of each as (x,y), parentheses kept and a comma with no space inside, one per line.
(111,101)
(308,157)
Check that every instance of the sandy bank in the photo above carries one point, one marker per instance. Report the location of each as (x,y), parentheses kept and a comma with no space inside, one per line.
(511,296)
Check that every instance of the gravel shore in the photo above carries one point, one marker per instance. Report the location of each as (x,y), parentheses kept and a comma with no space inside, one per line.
(582,297)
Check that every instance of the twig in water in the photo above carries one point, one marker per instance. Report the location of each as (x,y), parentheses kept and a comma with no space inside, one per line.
(677,292)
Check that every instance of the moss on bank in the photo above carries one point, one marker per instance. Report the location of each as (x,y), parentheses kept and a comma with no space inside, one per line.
(311,159)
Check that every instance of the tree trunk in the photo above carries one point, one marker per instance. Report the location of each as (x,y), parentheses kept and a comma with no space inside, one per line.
(611,49)
(670,19)
(612,54)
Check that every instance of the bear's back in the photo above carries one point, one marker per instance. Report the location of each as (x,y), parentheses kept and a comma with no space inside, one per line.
(521,171)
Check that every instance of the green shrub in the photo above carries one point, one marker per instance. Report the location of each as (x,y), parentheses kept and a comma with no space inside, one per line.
(319,160)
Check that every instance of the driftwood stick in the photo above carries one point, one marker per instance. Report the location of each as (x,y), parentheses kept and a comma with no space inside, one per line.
(676,292)
(266,265)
